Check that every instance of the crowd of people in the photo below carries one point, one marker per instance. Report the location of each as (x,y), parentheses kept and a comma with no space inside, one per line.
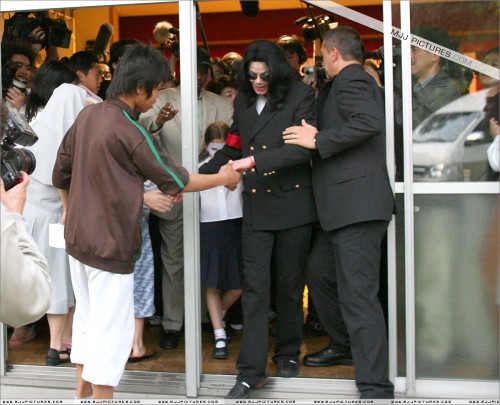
(294,191)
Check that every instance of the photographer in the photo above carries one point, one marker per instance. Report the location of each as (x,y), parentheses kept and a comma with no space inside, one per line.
(17,63)
(39,31)
(25,283)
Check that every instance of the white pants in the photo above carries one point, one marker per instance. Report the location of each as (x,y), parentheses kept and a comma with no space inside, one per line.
(103,324)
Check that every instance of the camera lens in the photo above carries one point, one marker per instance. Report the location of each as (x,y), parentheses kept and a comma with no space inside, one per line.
(21,159)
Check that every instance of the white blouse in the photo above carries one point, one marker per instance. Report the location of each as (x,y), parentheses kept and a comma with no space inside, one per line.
(220,203)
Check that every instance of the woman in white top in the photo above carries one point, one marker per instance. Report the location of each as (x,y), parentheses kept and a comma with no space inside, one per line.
(49,76)
(44,205)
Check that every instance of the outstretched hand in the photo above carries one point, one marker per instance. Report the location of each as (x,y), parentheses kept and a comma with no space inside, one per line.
(232,176)
(158,201)
(166,114)
(242,164)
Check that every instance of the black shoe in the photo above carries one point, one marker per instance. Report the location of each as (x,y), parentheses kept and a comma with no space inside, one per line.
(312,329)
(170,339)
(287,368)
(53,357)
(220,353)
(332,355)
(241,390)
(230,332)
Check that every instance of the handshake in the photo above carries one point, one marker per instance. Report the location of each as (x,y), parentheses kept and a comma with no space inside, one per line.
(234,168)
(243,164)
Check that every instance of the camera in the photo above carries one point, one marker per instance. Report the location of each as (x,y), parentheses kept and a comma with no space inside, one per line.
(9,78)
(309,73)
(378,54)
(315,73)
(313,29)
(174,42)
(56,31)
(16,131)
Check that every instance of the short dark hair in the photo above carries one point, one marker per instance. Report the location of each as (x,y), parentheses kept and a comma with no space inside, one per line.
(141,65)
(118,48)
(83,61)
(495,49)
(221,65)
(347,41)
(281,73)
(218,84)
(435,34)
(17,47)
(48,77)
(293,44)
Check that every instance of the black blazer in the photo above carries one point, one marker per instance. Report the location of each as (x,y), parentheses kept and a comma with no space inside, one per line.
(277,192)
(350,177)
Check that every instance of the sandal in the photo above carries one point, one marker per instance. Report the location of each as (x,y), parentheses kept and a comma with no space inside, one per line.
(53,357)
(67,347)
(15,343)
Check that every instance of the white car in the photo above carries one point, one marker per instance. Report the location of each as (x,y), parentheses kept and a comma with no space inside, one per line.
(452,143)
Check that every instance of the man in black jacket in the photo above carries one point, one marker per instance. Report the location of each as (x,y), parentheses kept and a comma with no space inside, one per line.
(278,209)
(355,203)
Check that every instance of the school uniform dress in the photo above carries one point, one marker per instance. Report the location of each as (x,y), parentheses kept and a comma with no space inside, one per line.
(221,260)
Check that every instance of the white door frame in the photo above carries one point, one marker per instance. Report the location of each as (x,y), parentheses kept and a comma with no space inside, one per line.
(194,386)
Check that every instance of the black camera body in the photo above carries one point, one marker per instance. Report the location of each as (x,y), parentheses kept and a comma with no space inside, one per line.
(313,29)
(16,131)
(56,31)
(378,54)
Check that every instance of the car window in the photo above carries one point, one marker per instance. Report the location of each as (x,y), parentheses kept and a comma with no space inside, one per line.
(445,127)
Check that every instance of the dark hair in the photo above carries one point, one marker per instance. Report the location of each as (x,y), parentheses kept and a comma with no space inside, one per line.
(280,70)
(221,65)
(216,130)
(293,44)
(347,41)
(218,84)
(433,33)
(47,78)
(17,47)
(141,65)
(83,61)
(118,48)
(495,49)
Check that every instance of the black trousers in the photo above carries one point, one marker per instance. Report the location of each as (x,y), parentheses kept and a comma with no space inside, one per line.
(343,277)
(289,249)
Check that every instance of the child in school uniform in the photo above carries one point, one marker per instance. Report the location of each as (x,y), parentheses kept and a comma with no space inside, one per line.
(221,261)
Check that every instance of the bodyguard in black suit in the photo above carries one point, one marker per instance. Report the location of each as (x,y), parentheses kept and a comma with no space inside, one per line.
(278,208)
(355,204)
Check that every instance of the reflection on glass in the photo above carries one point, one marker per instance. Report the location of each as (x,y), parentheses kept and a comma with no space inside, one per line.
(401,284)
(455,285)
(452,143)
